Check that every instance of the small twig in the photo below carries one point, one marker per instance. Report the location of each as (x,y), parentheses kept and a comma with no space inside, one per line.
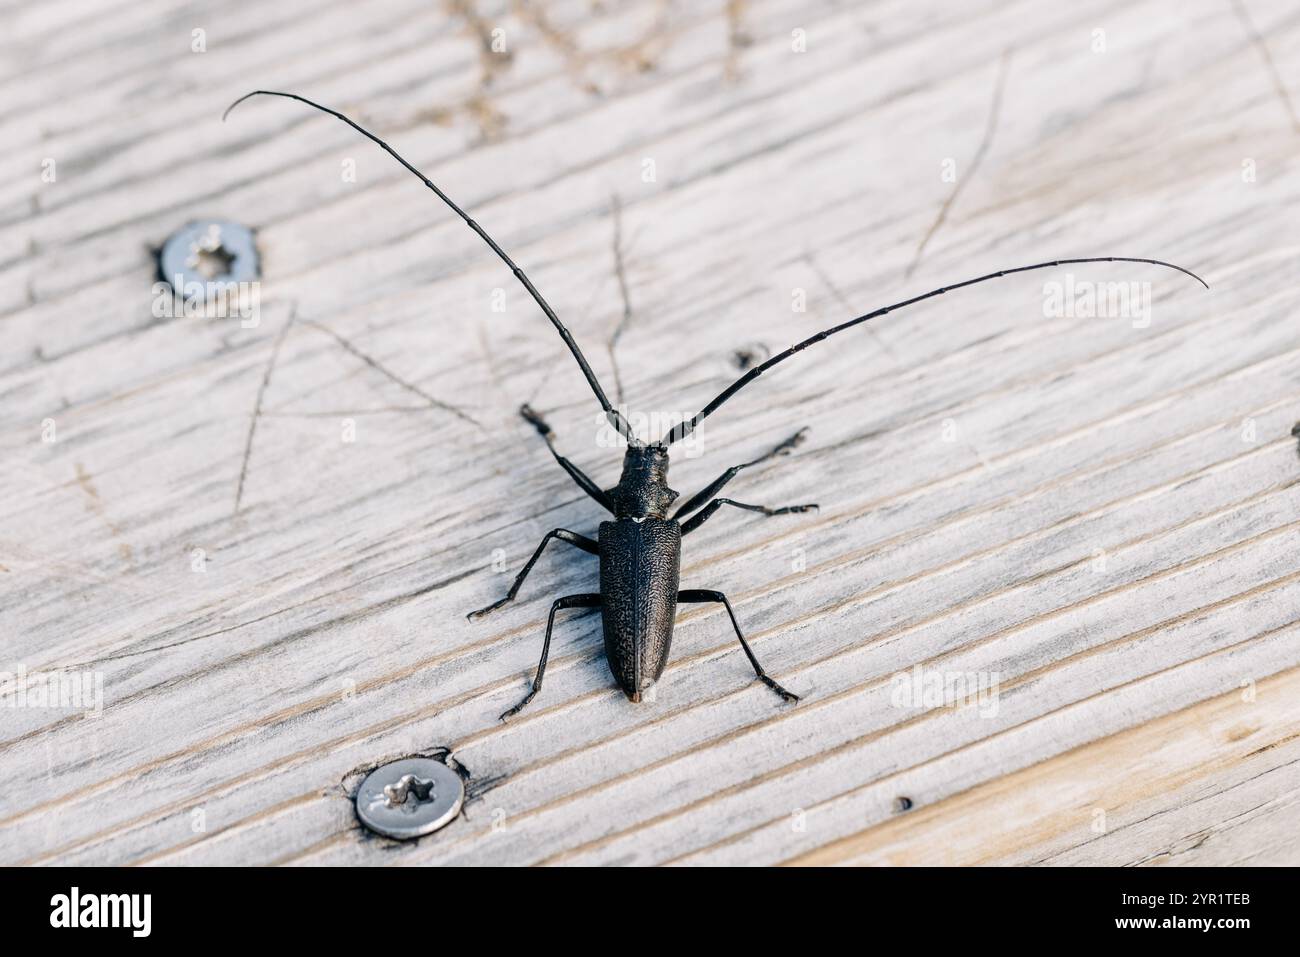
(622,251)
(620,274)
(338,413)
(811,260)
(990,125)
(257,404)
(392,376)
(1258,40)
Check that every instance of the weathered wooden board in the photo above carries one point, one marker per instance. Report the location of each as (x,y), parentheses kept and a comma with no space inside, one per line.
(263,541)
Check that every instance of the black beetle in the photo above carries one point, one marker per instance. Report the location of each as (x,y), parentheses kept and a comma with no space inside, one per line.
(640,550)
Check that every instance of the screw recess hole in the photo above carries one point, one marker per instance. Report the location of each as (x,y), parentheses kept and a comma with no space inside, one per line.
(212,254)
(212,263)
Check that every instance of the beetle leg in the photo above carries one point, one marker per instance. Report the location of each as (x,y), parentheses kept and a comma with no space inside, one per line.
(698,519)
(714,487)
(575,473)
(568,601)
(700,595)
(564,535)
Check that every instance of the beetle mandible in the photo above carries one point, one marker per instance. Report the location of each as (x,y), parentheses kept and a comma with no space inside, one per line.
(640,549)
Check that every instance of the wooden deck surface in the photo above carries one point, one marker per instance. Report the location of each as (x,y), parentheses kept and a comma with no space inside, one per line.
(263,541)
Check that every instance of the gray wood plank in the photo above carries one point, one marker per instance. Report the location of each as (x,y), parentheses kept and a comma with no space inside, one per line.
(1099,511)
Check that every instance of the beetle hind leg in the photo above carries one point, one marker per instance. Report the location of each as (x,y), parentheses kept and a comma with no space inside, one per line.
(701,595)
(568,601)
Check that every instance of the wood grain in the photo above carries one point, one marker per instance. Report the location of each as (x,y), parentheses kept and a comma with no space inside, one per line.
(264,540)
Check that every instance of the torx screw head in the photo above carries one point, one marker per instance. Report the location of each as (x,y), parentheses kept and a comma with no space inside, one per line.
(410,798)
(210,254)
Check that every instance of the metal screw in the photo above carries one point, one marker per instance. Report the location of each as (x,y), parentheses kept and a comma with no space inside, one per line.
(211,254)
(410,798)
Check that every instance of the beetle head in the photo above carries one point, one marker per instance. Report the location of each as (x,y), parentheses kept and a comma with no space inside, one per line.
(642,490)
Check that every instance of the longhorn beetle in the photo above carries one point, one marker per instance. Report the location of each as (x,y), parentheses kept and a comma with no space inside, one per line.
(640,550)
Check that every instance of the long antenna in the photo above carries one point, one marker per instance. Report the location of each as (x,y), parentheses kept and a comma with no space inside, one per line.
(683,429)
(613,415)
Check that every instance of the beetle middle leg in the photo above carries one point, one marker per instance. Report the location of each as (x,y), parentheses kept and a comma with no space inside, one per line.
(700,595)
(714,487)
(702,516)
(564,535)
(568,601)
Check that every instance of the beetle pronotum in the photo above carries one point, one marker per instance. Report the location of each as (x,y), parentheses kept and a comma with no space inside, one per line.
(640,549)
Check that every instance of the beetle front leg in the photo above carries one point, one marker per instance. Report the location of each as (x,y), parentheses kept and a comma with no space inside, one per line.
(575,473)
(564,535)
(569,601)
(703,515)
(700,595)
